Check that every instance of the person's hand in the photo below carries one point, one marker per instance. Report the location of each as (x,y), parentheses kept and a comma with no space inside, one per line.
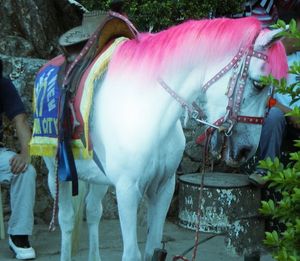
(19,163)
(294,121)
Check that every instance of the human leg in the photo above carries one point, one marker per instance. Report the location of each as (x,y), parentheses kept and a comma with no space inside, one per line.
(270,142)
(22,197)
(272,134)
(22,194)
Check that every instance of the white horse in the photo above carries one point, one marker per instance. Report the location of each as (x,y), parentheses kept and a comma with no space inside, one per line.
(136,129)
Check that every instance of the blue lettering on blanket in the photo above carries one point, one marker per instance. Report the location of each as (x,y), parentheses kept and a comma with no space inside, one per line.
(46,102)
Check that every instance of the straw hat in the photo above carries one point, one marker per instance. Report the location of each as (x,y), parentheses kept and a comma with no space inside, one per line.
(90,22)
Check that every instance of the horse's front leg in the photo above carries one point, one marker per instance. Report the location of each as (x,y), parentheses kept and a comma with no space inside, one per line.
(161,190)
(158,204)
(94,212)
(66,220)
(128,197)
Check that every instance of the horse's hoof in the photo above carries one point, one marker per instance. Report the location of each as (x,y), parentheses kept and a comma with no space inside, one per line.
(159,255)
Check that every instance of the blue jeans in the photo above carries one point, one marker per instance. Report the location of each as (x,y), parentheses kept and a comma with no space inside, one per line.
(22,195)
(272,134)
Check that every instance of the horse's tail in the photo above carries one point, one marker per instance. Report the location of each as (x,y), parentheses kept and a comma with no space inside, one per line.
(79,206)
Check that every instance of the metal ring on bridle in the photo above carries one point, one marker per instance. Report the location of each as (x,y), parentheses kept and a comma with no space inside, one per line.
(228,132)
(195,114)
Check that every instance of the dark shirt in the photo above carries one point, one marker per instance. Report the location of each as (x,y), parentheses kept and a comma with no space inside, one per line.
(265,11)
(10,102)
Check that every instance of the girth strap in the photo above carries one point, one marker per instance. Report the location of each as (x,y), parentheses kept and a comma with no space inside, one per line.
(66,163)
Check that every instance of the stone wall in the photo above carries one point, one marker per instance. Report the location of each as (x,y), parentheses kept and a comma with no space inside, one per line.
(31,28)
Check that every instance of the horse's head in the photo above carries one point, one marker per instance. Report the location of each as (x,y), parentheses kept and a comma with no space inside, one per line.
(245,99)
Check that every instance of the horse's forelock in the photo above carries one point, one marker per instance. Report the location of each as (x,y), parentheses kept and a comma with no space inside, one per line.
(190,41)
(277,61)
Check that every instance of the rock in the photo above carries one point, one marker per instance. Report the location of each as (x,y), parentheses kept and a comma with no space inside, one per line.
(13,44)
(194,151)
(22,71)
(189,166)
(38,23)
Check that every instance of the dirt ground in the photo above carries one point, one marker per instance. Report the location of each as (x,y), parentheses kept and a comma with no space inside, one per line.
(47,244)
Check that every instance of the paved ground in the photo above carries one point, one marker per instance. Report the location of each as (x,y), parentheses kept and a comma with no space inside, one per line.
(47,244)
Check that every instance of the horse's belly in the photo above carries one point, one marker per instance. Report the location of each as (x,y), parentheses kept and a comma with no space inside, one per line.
(142,157)
(88,171)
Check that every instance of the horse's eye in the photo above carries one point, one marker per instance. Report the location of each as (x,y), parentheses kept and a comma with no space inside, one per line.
(258,85)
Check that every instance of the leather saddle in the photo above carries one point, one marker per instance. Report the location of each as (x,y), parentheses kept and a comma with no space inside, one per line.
(113,26)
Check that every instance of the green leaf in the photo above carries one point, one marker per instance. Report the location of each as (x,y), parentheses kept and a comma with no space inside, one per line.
(285,180)
(281,24)
(293,258)
(293,26)
(272,238)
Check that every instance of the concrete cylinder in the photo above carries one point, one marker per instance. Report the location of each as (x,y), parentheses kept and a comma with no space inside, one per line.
(229,205)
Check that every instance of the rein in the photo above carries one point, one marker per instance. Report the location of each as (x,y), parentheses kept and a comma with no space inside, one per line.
(240,64)
(236,86)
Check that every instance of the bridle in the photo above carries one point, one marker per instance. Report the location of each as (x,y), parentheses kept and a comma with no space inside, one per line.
(235,90)
(240,65)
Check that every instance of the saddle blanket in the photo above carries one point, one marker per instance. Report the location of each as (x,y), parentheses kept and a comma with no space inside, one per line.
(45,105)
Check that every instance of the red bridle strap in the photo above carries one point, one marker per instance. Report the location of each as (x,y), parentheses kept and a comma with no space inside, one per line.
(241,119)
(250,119)
(224,70)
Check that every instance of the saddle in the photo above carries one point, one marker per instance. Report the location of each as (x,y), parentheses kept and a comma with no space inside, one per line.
(113,26)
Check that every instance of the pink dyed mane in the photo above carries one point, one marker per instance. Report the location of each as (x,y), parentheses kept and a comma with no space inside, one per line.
(208,41)
(277,61)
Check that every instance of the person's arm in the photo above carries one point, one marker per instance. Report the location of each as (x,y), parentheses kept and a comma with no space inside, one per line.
(290,119)
(19,163)
(282,107)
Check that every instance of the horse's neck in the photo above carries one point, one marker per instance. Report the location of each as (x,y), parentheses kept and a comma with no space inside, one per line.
(186,75)
(188,86)
(178,94)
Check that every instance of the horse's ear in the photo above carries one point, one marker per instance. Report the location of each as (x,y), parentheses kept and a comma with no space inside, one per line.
(267,37)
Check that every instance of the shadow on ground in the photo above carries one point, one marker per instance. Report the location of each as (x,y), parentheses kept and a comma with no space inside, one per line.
(47,244)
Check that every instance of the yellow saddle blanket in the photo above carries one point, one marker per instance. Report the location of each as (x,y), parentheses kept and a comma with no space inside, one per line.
(45,104)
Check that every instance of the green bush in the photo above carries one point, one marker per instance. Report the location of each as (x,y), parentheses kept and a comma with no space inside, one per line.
(158,15)
(285,179)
